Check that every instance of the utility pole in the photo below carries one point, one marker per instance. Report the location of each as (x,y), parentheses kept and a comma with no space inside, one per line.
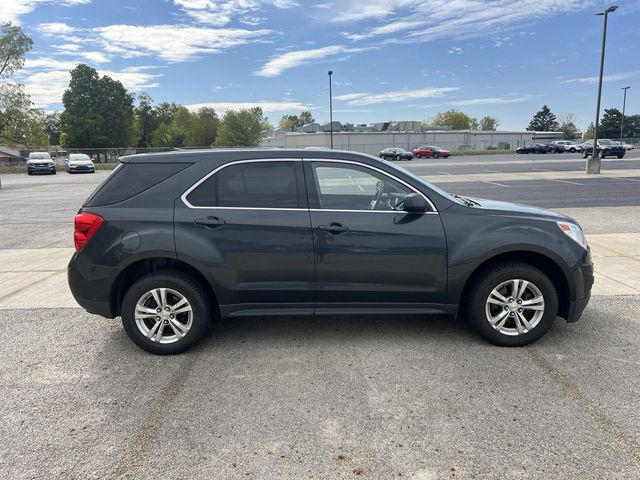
(624,104)
(330,110)
(593,162)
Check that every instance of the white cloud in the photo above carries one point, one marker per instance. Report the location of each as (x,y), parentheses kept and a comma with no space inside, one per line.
(456,51)
(55,28)
(267,107)
(46,88)
(221,12)
(491,101)
(12,10)
(395,96)
(286,61)
(605,78)
(173,43)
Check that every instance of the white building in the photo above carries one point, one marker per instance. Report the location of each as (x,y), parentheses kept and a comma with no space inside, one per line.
(373,142)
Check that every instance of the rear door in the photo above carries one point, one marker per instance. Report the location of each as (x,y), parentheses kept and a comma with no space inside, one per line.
(246,225)
(369,256)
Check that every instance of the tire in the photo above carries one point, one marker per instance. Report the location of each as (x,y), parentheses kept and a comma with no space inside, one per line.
(478,309)
(418,155)
(572,150)
(178,283)
(398,158)
(585,154)
(436,155)
(54,172)
(29,172)
(620,156)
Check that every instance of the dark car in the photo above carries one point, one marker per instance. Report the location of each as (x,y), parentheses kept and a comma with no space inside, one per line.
(173,241)
(396,154)
(430,151)
(40,162)
(555,148)
(606,148)
(533,148)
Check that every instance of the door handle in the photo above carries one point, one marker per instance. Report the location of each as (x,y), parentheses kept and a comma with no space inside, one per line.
(334,228)
(210,222)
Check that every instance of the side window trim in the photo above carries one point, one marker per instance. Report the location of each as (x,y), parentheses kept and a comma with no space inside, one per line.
(184,196)
(315,201)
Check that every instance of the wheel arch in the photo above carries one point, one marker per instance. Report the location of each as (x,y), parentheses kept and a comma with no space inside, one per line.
(538,260)
(141,267)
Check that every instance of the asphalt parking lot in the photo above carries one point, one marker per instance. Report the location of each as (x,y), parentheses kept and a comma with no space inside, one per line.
(343,397)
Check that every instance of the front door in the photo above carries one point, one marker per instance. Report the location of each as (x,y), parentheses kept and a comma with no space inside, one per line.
(247,227)
(370,256)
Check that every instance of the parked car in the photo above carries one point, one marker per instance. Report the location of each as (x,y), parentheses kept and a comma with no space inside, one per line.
(173,241)
(606,148)
(431,151)
(533,148)
(626,146)
(555,148)
(40,162)
(396,154)
(569,146)
(79,162)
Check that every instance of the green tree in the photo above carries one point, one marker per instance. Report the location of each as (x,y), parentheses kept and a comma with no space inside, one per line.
(474,124)
(588,133)
(543,121)
(452,118)
(568,127)
(52,126)
(631,126)
(306,117)
(98,112)
(146,121)
(165,112)
(288,122)
(14,45)
(610,123)
(489,123)
(21,124)
(241,128)
(203,128)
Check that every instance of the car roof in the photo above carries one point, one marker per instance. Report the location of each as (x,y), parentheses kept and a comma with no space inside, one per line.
(235,154)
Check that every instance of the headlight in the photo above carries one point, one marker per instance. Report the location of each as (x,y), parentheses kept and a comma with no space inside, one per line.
(575,232)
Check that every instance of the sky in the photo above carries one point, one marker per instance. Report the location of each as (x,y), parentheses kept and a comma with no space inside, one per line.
(391,59)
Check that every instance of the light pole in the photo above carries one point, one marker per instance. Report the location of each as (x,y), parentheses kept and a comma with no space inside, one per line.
(330,110)
(593,162)
(624,104)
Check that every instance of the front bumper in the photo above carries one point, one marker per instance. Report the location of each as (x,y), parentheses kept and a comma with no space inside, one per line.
(41,168)
(81,168)
(583,279)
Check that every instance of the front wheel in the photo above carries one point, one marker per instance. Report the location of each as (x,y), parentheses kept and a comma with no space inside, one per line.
(512,304)
(418,155)
(398,158)
(166,312)
(620,156)
(436,155)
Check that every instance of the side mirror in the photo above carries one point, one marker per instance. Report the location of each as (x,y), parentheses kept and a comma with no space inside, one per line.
(414,203)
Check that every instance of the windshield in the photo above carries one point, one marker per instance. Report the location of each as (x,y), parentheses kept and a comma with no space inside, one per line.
(78,156)
(605,141)
(421,181)
(39,156)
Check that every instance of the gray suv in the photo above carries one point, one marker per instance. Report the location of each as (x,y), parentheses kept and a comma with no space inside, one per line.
(170,242)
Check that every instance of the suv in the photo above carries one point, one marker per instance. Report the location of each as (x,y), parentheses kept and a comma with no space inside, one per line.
(569,146)
(172,241)
(40,162)
(606,148)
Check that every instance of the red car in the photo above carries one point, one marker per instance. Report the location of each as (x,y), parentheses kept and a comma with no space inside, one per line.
(430,151)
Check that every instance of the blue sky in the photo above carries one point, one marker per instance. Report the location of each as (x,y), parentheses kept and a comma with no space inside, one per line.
(392,59)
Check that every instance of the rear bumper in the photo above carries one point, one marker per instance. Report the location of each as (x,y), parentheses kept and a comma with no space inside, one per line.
(91,285)
(583,279)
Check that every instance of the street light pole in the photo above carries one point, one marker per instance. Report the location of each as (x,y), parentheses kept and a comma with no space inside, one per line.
(624,104)
(593,162)
(330,110)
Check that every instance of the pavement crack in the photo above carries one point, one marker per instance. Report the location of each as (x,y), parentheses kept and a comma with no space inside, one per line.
(148,430)
(607,424)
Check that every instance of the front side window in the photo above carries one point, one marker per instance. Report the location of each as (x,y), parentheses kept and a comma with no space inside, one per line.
(351,187)
(250,185)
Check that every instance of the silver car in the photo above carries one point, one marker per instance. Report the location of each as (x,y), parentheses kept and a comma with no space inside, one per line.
(79,162)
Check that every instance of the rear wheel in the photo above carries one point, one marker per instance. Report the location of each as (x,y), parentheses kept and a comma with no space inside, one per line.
(418,155)
(166,312)
(620,156)
(435,155)
(512,304)
(398,158)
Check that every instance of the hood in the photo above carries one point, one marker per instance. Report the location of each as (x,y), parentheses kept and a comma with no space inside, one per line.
(40,160)
(495,207)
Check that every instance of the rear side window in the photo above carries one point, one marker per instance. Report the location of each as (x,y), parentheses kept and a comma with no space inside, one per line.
(254,184)
(130,179)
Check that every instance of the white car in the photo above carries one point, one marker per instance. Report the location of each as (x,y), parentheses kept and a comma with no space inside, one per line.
(626,146)
(40,162)
(79,162)
(568,145)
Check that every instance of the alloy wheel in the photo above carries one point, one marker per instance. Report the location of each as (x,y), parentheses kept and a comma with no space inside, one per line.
(515,307)
(163,315)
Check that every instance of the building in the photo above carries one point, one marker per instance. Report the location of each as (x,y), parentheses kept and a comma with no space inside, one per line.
(372,142)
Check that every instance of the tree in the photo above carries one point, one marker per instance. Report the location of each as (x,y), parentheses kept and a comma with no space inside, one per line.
(489,123)
(14,45)
(452,118)
(543,121)
(610,123)
(289,122)
(588,133)
(568,127)
(631,126)
(204,127)
(241,128)
(306,117)
(52,126)
(146,120)
(474,124)
(98,112)
(165,112)
(21,124)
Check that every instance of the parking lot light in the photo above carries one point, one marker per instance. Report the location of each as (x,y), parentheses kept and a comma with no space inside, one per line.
(624,104)
(593,162)
(330,110)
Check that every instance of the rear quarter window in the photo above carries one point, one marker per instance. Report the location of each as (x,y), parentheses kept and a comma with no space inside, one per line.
(130,179)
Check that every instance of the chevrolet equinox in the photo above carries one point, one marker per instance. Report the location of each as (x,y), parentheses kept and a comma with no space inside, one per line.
(172,241)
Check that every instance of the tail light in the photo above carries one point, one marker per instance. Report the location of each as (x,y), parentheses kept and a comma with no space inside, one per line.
(84,227)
